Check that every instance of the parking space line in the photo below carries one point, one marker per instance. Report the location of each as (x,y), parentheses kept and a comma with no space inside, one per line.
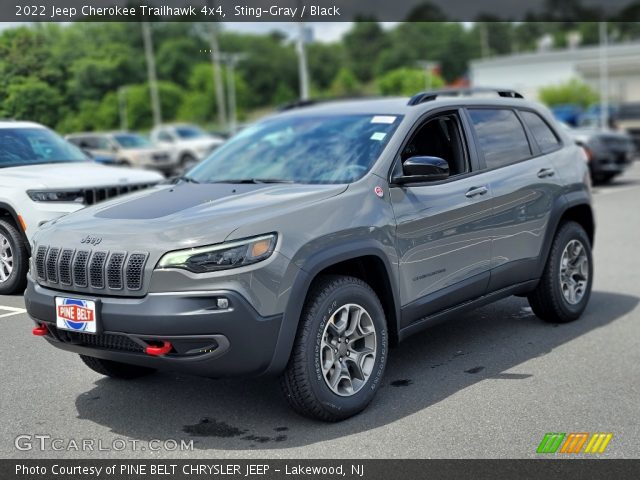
(12,311)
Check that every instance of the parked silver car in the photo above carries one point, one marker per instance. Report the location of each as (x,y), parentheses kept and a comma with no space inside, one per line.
(130,149)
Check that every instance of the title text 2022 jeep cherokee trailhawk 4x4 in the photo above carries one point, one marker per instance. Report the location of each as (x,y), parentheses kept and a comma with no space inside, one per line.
(313,239)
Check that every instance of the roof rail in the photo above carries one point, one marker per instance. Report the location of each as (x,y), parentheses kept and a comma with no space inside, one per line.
(460,92)
(297,104)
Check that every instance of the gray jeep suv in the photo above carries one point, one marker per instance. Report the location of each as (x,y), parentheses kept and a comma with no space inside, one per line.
(314,239)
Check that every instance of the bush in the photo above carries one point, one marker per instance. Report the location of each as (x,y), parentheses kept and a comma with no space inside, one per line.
(573,92)
(406,82)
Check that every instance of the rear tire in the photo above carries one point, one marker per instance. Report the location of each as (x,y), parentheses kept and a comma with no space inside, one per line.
(113,369)
(340,350)
(14,259)
(565,286)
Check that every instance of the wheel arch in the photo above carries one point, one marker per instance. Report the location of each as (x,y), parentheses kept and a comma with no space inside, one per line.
(362,259)
(573,207)
(7,211)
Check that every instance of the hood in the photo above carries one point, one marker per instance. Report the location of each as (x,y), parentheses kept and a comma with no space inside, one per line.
(74,175)
(180,216)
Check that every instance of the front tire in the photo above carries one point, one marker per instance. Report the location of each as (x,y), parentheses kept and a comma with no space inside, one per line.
(340,351)
(565,286)
(113,369)
(14,259)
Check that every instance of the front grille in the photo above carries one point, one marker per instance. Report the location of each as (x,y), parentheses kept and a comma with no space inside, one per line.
(40,269)
(114,271)
(102,340)
(80,268)
(134,271)
(96,269)
(95,195)
(52,265)
(92,270)
(64,269)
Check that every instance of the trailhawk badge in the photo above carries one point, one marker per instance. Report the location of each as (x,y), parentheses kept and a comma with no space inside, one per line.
(76,315)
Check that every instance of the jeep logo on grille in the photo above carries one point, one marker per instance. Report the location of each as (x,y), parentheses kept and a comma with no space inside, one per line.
(91,240)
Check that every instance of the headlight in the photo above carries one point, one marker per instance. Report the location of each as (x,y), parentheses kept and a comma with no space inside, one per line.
(56,196)
(223,256)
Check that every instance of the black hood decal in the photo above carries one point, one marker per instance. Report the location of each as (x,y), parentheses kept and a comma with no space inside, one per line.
(172,200)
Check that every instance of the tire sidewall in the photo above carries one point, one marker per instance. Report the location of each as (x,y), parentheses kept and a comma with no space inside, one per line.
(336,404)
(17,276)
(569,232)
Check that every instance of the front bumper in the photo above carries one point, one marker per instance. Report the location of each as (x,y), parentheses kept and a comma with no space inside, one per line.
(208,341)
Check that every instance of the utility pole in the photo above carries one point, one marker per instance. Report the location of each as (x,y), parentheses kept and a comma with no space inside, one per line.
(604,76)
(122,105)
(303,70)
(151,73)
(231,60)
(217,74)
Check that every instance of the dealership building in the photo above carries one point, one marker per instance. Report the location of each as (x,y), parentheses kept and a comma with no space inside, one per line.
(528,72)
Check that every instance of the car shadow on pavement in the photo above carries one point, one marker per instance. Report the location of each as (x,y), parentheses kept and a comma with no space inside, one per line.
(245,414)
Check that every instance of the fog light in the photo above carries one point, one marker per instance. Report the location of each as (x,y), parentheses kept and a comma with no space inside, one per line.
(223,303)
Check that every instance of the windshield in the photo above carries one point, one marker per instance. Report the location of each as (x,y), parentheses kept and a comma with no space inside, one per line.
(130,140)
(30,146)
(323,149)
(190,132)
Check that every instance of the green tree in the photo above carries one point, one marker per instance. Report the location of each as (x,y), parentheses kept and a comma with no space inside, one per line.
(363,44)
(176,57)
(139,112)
(406,82)
(345,84)
(573,91)
(32,99)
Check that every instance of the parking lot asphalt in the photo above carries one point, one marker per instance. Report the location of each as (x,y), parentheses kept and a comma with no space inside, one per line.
(490,383)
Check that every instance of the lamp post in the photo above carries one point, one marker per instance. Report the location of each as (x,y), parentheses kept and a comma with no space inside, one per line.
(151,73)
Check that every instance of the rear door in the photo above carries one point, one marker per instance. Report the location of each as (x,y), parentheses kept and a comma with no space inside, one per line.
(443,235)
(524,184)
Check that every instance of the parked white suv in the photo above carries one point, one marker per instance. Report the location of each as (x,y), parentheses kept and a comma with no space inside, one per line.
(43,177)
(188,143)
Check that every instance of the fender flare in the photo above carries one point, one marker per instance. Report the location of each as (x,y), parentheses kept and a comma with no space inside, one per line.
(14,217)
(306,274)
(561,206)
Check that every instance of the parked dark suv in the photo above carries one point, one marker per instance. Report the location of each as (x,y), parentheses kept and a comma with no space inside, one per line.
(312,240)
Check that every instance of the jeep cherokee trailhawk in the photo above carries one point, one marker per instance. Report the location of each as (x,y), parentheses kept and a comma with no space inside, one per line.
(315,238)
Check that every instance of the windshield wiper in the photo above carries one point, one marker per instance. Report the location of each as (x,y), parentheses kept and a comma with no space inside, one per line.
(182,178)
(254,180)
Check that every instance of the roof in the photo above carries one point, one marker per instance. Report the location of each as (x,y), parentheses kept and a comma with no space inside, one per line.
(19,124)
(399,105)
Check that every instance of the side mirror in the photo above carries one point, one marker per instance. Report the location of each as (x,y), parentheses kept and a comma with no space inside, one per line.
(423,169)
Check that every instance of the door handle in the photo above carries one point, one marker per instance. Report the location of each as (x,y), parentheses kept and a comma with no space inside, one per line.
(546,172)
(473,191)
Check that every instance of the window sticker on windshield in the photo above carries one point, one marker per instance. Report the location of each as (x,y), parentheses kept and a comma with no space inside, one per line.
(379,136)
(383,119)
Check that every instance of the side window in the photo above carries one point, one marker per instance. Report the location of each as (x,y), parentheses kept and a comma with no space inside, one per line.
(103,143)
(86,142)
(544,136)
(501,136)
(440,137)
(164,136)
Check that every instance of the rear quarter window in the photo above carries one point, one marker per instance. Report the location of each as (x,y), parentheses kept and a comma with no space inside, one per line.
(544,136)
(501,136)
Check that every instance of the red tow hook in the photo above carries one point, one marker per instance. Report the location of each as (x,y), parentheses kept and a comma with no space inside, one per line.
(159,351)
(40,331)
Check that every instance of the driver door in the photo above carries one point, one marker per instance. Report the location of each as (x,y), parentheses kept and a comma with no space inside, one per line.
(443,227)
